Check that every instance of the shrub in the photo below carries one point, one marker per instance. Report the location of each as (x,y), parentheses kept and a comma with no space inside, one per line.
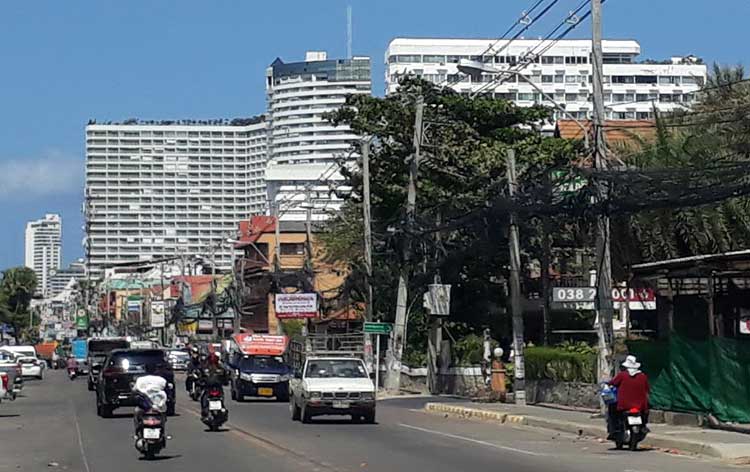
(561,364)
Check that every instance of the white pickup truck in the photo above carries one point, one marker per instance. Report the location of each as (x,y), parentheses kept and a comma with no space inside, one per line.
(330,383)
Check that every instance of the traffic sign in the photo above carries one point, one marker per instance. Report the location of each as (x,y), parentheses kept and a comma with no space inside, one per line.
(376,327)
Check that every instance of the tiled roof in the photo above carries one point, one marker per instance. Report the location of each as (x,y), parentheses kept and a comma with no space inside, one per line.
(615,131)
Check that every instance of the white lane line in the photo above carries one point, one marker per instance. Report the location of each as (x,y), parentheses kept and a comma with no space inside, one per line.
(80,438)
(471,440)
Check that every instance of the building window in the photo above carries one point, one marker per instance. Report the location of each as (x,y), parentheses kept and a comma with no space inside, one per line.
(645,79)
(292,249)
(669,80)
(432,58)
(623,79)
(692,80)
(553,60)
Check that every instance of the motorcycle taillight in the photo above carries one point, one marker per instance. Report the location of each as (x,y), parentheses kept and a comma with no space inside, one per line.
(634,411)
(214,393)
(5,382)
(151,421)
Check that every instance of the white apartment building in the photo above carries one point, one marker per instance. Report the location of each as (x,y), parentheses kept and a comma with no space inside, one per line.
(43,249)
(303,146)
(59,280)
(161,189)
(563,72)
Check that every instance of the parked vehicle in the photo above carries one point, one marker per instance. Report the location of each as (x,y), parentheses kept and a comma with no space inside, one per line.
(5,386)
(79,350)
(330,378)
(124,366)
(10,366)
(179,359)
(257,367)
(97,351)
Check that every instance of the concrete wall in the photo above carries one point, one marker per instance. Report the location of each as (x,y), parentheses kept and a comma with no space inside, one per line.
(462,381)
(574,394)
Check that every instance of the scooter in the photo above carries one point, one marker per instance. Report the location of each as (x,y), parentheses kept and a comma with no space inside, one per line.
(194,391)
(214,412)
(630,429)
(72,373)
(150,433)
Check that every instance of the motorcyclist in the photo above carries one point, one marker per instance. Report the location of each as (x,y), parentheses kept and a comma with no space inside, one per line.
(194,368)
(71,364)
(150,391)
(632,392)
(213,376)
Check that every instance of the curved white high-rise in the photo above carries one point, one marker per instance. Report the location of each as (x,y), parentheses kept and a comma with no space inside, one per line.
(304,148)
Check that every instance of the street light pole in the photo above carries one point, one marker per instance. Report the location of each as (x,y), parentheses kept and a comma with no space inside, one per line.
(519,382)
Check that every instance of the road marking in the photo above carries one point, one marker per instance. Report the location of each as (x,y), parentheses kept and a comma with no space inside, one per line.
(472,440)
(80,438)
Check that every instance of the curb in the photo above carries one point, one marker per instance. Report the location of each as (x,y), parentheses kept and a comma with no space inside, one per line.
(654,440)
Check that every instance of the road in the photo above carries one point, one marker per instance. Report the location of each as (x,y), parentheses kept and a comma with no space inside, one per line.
(54,426)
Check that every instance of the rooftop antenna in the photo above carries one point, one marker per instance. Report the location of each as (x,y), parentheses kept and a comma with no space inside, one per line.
(349,31)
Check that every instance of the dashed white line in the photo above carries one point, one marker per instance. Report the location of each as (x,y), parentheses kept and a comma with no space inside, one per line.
(472,440)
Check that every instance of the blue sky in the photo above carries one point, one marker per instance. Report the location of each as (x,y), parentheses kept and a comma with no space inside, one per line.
(63,62)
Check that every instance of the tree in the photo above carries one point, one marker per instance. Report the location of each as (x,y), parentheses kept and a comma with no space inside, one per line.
(16,290)
(462,170)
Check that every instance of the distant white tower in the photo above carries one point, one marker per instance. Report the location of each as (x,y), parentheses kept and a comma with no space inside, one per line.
(43,248)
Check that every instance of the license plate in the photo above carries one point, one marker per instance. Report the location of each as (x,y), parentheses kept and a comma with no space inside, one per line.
(214,405)
(635,420)
(265,392)
(340,404)
(151,433)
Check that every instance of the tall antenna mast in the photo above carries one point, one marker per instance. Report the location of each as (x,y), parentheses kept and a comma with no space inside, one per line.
(349,31)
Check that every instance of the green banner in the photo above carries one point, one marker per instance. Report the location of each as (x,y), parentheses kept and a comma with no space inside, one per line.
(82,321)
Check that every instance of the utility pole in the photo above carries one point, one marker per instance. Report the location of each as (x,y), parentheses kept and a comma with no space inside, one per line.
(605,311)
(308,246)
(519,372)
(398,335)
(276,204)
(215,327)
(368,229)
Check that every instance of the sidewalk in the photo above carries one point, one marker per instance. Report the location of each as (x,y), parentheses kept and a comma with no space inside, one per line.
(708,442)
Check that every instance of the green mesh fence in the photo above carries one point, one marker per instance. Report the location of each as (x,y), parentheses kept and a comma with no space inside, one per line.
(699,376)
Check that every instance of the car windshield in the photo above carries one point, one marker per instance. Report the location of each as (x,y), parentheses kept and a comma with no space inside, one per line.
(348,369)
(181,355)
(262,363)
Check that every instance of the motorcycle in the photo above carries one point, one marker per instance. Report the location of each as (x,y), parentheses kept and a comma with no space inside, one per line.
(630,430)
(72,373)
(193,386)
(150,437)
(214,412)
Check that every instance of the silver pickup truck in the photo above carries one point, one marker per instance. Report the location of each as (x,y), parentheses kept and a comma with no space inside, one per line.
(9,364)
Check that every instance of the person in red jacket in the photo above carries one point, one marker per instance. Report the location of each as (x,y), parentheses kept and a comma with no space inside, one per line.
(632,388)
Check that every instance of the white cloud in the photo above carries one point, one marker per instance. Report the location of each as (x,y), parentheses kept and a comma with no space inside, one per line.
(53,173)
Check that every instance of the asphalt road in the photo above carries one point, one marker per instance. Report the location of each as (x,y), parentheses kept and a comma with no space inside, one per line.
(54,426)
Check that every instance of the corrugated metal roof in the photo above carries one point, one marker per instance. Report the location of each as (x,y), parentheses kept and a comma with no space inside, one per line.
(616,131)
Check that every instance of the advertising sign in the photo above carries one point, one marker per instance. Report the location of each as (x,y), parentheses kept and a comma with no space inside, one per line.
(134,306)
(158,318)
(638,298)
(296,305)
(261,344)
(82,321)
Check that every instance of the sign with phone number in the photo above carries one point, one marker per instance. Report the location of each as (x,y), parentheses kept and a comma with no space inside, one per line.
(583,298)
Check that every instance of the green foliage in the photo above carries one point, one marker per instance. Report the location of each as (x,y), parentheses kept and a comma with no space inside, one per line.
(292,328)
(16,290)
(468,350)
(462,170)
(564,364)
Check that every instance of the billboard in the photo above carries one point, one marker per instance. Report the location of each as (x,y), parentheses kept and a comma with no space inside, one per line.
(296,305)
(158,318)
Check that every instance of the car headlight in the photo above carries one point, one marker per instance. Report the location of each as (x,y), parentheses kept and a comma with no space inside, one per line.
(247,377)
(284,378)
(315,394)
(367,396)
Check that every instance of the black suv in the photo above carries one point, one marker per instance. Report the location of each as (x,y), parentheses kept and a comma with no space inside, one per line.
(122,367)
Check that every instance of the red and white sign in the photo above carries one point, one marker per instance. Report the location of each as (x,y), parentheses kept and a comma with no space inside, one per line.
(296,305)
(261,344)
(638,298)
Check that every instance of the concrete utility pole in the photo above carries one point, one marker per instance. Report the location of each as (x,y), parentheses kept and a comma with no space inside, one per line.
(519,373)
(398,335)
(215,327)
(368,229)
(605,311)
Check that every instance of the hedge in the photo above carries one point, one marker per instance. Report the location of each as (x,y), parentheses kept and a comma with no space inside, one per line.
(559,365)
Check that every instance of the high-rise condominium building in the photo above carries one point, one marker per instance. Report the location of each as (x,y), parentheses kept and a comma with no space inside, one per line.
(59,280)
(562,70)
(43,251)
(161,189)
(303,146)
